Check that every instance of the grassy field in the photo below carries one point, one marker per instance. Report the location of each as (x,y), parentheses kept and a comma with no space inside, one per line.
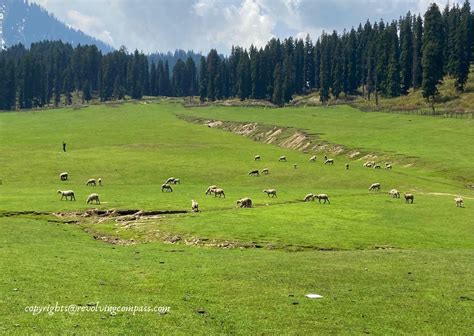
(383,266)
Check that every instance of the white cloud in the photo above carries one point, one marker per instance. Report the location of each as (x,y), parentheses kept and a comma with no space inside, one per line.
(90,25)
(164,25)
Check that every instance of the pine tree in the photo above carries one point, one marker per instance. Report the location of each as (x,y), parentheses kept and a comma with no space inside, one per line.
(308,68)
(462,49)
(406,54)
(153,80)
(203,77)
(417,46)
(325,69)
(277,97)
(432,59)
(86,92)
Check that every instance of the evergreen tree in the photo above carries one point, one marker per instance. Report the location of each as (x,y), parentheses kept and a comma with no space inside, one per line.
(417,46)
(203,77)
(86,92)
(406,54)
(308,68)
(277,98)
(432,59)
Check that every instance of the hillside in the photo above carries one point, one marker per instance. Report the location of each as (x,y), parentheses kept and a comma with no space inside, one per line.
(27,23)
(449,102)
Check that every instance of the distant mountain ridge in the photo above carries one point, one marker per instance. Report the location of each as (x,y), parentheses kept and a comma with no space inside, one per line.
(26,23)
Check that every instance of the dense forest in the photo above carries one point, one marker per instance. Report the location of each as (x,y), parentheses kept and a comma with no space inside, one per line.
(387,59)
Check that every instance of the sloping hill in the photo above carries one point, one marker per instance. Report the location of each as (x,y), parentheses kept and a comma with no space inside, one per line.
(26,23)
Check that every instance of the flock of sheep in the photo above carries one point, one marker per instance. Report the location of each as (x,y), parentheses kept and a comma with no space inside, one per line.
(247,202)
(65,194)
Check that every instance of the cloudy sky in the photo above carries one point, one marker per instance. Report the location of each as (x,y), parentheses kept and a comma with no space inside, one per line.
(163,25)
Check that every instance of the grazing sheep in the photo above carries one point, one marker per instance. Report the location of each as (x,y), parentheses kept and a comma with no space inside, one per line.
(194,206)
(245,202)
(394,193)
(265,171)
(295,166)
(347,166)
(377,166)
(64,176)
(93,197)
(388,166)
(459,202)
(219,192)
(313,158)
(374,186)
(91,182)
(368,164)
(172,180)
(329,161)
(257,158)
(66,194)
(309,197)
(176,181)
(254,173)
(210,189)
(272,192)
(166,187)
(322,197)
(99,180)
(409,198)
(282,158)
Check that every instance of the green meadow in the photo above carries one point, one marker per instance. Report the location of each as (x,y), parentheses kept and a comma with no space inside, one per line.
(381,265)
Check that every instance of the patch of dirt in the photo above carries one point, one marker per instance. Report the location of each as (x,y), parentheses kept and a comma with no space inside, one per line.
(285,137)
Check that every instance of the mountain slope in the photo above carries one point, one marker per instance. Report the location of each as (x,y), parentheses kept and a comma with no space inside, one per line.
(26,23)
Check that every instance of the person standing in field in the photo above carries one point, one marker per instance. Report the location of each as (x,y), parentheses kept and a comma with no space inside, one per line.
(64,146)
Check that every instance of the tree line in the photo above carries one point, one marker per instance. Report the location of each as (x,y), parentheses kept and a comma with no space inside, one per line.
(379,59)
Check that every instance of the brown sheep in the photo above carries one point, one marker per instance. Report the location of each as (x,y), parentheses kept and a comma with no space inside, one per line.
(245,202)
(254,173)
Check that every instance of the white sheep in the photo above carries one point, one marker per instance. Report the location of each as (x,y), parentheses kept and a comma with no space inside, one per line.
(323,197)
(245,202)
(219,192)
(194,206)
(312,159)
(66,194)
(210,189)
(409,198)
(272,192)
(329,161)
(309,197)
(91,182)
(459,202)
(369,164)
(388,166)
(93,197)
(377,166)
(172,180)
(265,171)
(99,180)
(374,186)
(64,176)
(282,158)
(295,166)
(394,193)
(347,166)
(166,187)
(257,158)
